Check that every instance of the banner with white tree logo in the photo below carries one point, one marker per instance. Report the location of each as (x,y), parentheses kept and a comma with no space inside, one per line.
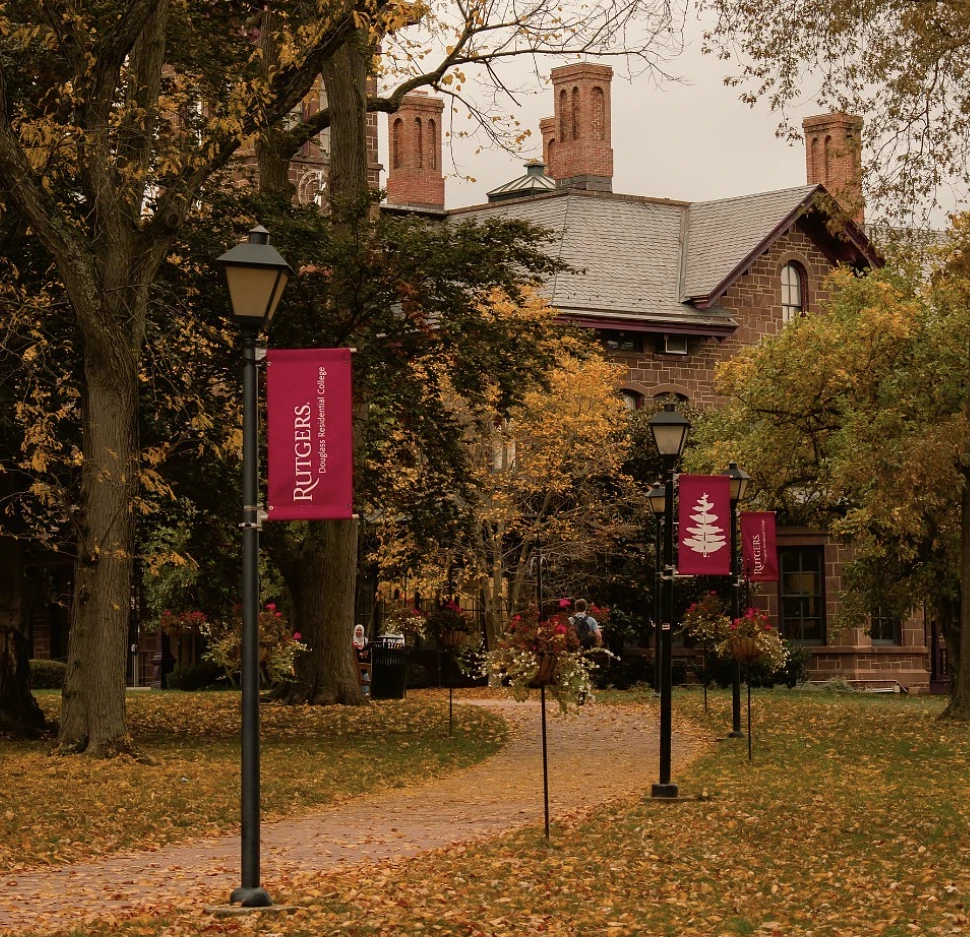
(705,525)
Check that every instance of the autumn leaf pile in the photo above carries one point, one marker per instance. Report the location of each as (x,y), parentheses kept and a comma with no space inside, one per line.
(55,810)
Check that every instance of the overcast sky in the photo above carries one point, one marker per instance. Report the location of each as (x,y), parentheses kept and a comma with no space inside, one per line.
(693,140)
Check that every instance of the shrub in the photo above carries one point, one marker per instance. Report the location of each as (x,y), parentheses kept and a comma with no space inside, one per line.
(795,672)
(417,678)
(203,675)
(47,674)
(277,646)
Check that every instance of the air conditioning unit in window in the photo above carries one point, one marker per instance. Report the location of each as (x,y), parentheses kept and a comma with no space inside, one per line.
(673,345)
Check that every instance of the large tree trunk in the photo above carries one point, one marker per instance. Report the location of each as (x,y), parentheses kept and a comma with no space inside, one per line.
(959,707)
(323,599)
(324,588)
(93,711)
(19,712)
(345,78)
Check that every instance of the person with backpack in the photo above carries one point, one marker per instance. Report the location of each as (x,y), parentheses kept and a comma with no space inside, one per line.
(587,628)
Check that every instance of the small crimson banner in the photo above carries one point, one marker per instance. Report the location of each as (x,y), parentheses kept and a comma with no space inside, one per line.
(758,546)
(309,434)
(704,547)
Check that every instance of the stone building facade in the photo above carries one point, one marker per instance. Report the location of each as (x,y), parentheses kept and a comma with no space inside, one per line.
(675,288)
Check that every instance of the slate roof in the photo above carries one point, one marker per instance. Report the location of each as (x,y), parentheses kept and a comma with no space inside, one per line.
(725,233)
(651,262)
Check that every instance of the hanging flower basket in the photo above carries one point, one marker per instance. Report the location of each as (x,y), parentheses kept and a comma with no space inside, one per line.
(753,637)
(745,650)
(533,654)
(453,627)
(450,640)
(546,675)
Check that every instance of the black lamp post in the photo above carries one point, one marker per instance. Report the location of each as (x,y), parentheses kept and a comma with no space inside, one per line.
(739,480)
(657,499)
(670,431)
(255,275)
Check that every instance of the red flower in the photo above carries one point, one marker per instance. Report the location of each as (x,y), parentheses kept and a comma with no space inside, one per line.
(560,629)
(270,607)
(564,603)
(297,636)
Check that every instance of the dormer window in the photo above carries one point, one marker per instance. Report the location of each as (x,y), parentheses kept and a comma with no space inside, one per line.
(792,292)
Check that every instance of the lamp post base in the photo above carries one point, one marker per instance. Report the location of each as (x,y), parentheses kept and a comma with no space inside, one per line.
(735,735)
(664,790)
(251,897)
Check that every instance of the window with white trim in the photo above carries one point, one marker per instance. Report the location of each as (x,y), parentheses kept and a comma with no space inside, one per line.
(792,292)
(631,399)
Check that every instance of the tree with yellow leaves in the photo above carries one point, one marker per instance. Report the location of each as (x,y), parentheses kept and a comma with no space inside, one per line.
(545,473)
(857,420)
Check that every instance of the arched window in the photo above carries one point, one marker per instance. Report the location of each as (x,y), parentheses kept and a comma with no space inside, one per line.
(827,161)
(433,144)
(792,292)
(563,117)
(397,143)
(418,144)
(574,121)
(814,157)
(631,399)
(598,114)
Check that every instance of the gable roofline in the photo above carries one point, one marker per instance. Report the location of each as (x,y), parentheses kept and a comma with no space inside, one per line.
(855,250)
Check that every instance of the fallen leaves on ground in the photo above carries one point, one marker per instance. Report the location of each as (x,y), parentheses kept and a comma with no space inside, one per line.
(850,822)
(56,810)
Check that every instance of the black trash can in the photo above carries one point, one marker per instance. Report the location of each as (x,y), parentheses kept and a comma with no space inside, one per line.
(389,671)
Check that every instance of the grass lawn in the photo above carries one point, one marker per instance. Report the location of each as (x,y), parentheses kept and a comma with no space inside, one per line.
(850,822)
(55,810)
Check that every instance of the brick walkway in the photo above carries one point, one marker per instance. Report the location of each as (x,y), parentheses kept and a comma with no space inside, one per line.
(600,753)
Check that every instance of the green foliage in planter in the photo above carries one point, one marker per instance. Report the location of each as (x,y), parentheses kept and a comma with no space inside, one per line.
(47,674)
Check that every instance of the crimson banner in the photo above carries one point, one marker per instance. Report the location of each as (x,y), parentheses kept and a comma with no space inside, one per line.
(704,547)
(758,546)
(309,434)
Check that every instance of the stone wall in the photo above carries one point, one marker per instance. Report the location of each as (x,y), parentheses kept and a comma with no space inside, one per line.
(754,301)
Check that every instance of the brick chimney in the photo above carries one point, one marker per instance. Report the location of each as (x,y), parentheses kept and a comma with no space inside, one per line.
(414,175)
(833,157)
(576,142)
